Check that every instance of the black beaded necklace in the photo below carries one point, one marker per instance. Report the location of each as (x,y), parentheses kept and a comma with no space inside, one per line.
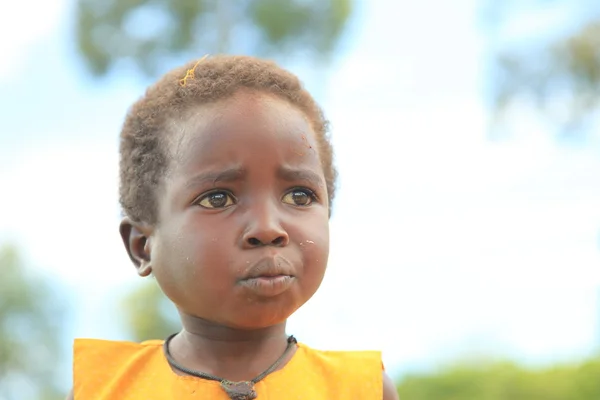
(243,390)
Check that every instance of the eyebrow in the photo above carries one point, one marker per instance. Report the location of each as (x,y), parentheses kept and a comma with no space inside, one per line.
(294,175)
(213,177)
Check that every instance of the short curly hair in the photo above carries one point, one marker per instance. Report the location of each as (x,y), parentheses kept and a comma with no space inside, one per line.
(144,152)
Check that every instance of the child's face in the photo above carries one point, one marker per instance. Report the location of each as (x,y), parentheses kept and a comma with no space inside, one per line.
(240,240)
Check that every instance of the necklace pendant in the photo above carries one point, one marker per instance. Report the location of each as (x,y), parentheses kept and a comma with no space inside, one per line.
(239,390)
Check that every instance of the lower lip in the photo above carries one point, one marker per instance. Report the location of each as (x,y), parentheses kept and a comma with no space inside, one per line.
(268,286)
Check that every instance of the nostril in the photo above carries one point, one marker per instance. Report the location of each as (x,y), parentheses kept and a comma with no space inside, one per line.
(254,241)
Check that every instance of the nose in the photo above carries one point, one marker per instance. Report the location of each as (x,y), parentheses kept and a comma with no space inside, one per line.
(264,229)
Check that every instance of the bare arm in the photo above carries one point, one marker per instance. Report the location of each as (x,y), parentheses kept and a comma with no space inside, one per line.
(389,389)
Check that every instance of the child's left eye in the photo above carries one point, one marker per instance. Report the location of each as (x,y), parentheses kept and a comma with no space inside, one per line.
(299,197)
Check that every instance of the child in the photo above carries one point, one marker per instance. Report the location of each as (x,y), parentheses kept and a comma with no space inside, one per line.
(226,183)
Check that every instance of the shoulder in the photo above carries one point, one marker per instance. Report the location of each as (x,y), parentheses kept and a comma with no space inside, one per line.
(359,361)
(389,389)
(340,354)
(364,368)
(88,349)
(112,344)
(89,353)
(351,374)
(102,363)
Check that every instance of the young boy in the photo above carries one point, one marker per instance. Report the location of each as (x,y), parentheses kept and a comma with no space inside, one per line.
(226,183)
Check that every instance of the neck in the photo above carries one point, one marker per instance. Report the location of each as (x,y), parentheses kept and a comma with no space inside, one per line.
(198,329)
(229,353)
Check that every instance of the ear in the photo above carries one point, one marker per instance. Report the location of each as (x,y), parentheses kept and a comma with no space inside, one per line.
(137,240)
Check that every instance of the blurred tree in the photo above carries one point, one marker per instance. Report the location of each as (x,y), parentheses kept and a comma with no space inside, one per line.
(148,33)
(30,323)
(505,381)
(558,69)
(148,313)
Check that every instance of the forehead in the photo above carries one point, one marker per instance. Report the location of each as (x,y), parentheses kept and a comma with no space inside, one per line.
(248,122)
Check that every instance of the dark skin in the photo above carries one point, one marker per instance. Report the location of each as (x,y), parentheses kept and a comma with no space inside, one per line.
(242,237)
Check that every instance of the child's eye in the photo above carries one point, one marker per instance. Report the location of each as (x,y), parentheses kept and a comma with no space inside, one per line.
(216,200)
(299,197)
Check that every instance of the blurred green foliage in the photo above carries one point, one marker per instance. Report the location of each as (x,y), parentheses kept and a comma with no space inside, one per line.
(505,381)
(149,33)
(30,324)
(557,70)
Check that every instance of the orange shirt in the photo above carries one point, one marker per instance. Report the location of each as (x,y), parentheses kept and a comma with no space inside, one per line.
(104,370)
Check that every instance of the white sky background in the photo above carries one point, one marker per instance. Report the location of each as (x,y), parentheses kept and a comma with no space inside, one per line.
(443,243)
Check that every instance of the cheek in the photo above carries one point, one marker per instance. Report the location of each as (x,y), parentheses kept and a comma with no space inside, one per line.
(314,243)
(186,254)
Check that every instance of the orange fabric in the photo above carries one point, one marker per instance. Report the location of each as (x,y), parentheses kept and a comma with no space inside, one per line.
(104,370)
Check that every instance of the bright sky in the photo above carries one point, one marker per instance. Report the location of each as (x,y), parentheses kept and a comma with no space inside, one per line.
(443,243)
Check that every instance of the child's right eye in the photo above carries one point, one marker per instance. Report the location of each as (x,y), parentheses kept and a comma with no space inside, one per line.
(219,199)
